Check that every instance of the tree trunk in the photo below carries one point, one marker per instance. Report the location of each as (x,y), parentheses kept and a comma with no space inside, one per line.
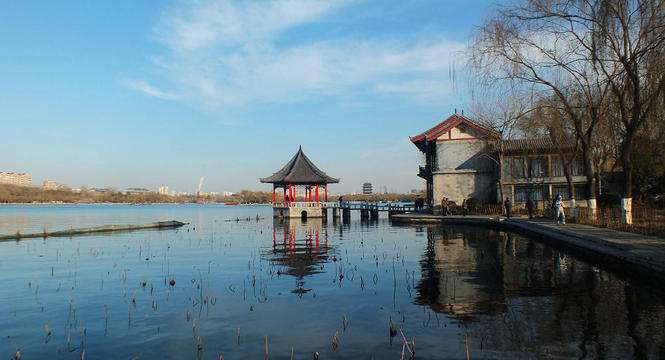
(571,188)
(591,181)
(627,199)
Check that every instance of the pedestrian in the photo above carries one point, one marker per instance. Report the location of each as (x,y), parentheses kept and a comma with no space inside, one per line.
(558,206)
(445,207)
(530,206)
(464,209)
(508,205)
(340,201)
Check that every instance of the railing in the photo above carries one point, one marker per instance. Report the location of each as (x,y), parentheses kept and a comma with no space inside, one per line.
(372,206)
(348,205)
(424,172)
(300,204)
(646,220)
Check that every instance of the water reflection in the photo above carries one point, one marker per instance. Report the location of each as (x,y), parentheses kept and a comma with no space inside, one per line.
(300,249)
(515,295)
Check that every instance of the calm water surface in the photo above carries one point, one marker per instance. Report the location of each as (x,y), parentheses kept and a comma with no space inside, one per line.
(305,287)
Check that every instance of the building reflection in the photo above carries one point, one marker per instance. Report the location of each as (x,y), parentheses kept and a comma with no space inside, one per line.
(300,249)
(515,295)
(459,274)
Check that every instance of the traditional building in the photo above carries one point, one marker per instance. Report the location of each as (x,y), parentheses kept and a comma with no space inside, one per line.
(534,168)
(301,172)
(458,161)
(465,159)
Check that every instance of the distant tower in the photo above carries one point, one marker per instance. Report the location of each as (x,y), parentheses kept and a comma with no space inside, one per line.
(367,188)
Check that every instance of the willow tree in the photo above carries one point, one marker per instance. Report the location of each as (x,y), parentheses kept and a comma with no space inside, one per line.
(548,47)
(630,35)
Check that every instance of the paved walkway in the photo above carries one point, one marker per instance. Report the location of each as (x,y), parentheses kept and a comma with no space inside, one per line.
(628,253)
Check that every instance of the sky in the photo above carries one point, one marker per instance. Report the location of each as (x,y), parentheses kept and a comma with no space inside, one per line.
(130,93)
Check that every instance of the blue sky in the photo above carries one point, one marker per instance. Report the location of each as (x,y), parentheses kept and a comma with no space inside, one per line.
(149,93)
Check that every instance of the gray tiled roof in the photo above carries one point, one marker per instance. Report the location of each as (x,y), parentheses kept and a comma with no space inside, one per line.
(300,171)
(527,145)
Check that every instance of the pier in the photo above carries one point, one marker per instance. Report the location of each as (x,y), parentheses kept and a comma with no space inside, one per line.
(368,210)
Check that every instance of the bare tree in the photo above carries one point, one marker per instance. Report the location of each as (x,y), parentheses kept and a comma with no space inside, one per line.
(547,47)
(629,35)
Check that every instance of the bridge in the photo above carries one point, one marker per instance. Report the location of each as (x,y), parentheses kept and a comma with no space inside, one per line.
(344,208)
(369,210)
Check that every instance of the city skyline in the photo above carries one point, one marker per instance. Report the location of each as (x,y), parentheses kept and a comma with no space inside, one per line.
(147,94)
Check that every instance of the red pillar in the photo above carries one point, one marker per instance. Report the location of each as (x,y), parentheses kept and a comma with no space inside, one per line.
(317,193)
(326,188)
(317,240)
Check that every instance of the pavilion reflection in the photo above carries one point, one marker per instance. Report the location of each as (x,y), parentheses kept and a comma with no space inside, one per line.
(515,294)
(300,249)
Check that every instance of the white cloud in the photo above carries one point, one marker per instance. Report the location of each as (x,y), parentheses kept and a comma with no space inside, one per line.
(223,53)
(229,23)
(144,87)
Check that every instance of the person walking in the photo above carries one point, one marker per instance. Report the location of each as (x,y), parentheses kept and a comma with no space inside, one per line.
(464,208)
(508,205)
(558,208)
(530,206)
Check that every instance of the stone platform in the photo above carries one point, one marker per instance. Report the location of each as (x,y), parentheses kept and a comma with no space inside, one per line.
(299,211)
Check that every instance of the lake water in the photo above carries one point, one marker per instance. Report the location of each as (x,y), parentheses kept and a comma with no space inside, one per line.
(330,288)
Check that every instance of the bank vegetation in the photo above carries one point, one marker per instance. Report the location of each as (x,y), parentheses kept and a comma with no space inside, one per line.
(588,71)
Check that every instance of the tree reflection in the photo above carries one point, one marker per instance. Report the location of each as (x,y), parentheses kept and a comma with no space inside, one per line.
(517,296)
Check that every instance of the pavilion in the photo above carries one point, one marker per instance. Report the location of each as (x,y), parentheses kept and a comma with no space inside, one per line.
(300,172)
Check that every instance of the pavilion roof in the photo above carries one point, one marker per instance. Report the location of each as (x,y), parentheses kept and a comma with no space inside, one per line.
(300,170)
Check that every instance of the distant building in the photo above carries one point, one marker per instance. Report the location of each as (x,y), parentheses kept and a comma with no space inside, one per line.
(19,179)
(101,190)
(51,185)
(367,188)
(228,193)
(163,190)
(136,191)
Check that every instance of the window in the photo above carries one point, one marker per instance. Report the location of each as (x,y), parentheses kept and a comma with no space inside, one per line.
(538,167)
(537,193)
(578,167)
(557,166)
(514,168)
(581,192)
(561,189)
